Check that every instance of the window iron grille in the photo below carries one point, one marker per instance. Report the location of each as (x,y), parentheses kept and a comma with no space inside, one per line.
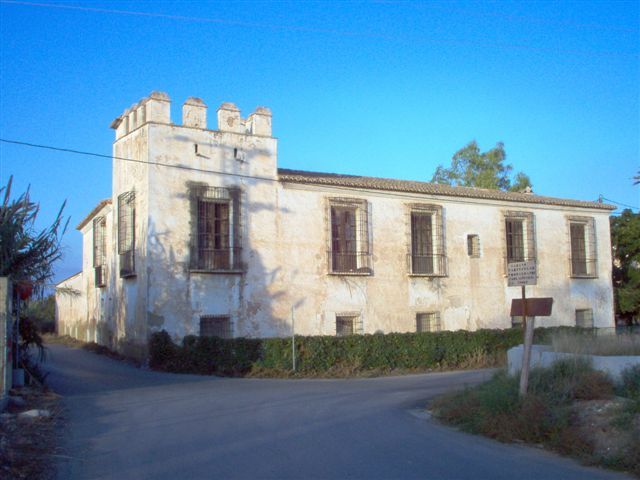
(520,244)
(126,233)
(584,318)
(348,325)
(215,326)
(582,248)
(473,245)
(100,276)
(349,250)
(426,241)
(428,322)
(99,250)
(216,236)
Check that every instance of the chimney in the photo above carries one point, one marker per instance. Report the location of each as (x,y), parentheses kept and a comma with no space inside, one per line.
(194,113)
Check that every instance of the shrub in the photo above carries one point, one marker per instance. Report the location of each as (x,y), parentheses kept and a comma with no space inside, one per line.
(325,355)
(543,416)
(568,380)
(630,383)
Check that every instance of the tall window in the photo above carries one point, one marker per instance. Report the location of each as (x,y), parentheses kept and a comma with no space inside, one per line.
(349,249)
(473,245)
(216,235)
(583,251)
(99,250)
(215,326)
(126,233)
(426,256)
(428,322)
(520,237)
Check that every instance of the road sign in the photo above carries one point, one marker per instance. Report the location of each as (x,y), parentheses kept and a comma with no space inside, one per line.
(522,273)
(536,307)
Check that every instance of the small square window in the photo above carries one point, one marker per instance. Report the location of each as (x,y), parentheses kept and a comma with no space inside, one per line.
(473,245)
(428,322)
(584,318)
(215,326)
(347,325)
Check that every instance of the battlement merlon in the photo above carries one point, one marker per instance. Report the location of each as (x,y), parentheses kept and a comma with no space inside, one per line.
(156,108)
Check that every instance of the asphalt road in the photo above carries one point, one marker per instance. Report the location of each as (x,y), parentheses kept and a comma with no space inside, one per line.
(127,423)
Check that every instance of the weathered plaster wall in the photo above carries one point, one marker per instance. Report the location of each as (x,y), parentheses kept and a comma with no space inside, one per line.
(473,295)
(71,307)
(285,242)
(126,317)
(177,295)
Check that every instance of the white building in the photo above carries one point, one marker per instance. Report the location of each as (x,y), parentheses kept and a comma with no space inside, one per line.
(203,234)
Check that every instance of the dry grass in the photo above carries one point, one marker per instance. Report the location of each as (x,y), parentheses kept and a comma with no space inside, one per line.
(606,345)
(570,409)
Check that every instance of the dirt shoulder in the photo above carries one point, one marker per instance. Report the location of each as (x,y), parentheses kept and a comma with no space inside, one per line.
(31,431)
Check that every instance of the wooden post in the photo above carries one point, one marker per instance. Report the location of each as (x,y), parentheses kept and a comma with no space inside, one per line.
(528,341)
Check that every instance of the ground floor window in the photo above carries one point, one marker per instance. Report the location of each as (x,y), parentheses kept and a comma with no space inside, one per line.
(215,326)
(428,322)
(584,318)
(348,325)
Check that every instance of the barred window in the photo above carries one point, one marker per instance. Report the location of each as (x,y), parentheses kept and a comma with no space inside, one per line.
(473,245)
(126,233)
(348,324)
(349,250)
(428,322)
(215,326)
(583,247)
(584,318)
(520,237)
(99,250)
(426,249)
(216,244)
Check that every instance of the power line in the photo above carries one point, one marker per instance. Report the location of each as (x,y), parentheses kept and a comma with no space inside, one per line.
(193,169)
(297,28)
(619,203)
(509,16)
(159,164)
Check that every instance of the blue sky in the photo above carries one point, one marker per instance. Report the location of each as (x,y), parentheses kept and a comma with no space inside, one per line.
(386,88)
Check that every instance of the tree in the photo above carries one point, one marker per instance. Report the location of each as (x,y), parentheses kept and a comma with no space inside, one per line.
(27,254)
(625,243)
(472,168)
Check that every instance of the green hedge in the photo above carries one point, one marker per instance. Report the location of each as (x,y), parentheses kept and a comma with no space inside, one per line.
(324,354)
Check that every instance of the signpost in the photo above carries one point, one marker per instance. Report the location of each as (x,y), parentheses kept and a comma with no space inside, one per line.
(521,274)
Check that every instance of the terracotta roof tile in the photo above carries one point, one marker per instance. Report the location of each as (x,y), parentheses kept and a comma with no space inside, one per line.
(92,213)
(390,184)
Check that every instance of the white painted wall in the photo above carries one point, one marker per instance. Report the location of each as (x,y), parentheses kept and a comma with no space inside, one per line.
(285,239)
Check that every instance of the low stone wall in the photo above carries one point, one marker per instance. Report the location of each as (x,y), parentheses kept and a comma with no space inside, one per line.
(543,356)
